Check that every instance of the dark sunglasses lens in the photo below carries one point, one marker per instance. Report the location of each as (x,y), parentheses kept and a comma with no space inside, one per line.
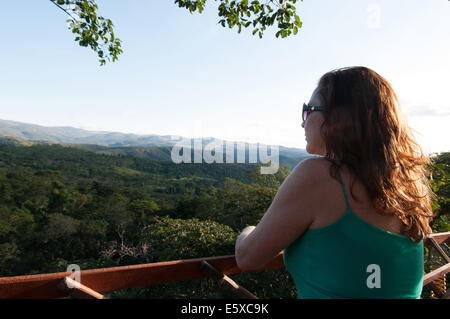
(305,115)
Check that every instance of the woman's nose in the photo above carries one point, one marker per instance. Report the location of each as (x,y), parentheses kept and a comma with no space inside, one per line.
(303,124)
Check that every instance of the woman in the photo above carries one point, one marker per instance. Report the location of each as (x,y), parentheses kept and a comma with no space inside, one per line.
(352,221)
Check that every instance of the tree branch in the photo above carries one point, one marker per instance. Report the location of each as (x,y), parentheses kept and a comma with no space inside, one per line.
(53,1)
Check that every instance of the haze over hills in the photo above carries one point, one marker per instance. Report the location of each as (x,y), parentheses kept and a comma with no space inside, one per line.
(67,134)
(153,146)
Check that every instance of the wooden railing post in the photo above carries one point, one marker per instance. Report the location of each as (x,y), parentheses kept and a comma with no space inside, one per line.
(226,281)
(78,290)
(438,283)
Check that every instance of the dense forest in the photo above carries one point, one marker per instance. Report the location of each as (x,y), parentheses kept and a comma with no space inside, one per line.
(63,205)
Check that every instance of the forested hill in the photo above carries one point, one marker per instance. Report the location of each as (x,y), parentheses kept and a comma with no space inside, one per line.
(160,181)
(149,146)
(61,205)
(76,164)
(157,148)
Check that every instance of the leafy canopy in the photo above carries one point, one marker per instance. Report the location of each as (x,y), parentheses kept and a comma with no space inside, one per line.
(254,14)
(90,29)
(96,32)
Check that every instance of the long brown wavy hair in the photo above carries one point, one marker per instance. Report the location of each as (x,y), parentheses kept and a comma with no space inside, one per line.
(365,129)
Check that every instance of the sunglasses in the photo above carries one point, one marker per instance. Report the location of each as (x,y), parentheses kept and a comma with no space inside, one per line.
(308,109)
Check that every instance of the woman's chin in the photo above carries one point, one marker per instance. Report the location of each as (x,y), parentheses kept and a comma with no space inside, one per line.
(313,151)
(309,149)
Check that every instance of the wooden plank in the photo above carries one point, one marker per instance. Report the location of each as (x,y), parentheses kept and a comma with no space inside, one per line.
(78,290)
(440,237)
(116,278)
(226,281)
(238,290)
(431,276)
(440,250)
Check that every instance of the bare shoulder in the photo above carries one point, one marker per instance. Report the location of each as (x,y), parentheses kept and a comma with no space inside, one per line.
(314,169)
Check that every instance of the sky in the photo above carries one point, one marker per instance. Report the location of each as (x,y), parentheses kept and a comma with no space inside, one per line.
(183,74)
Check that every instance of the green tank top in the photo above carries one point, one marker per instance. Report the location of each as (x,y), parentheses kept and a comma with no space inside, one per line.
(351,258)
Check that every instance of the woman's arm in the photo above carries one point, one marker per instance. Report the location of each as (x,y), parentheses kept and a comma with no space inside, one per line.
(289,215)
(245,232)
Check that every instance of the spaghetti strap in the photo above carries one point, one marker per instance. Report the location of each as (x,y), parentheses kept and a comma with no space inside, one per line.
(343,188)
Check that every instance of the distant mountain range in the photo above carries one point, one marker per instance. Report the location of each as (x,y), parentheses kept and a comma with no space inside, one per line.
(152,146)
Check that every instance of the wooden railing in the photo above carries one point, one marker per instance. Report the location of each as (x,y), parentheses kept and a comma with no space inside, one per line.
(95,281)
